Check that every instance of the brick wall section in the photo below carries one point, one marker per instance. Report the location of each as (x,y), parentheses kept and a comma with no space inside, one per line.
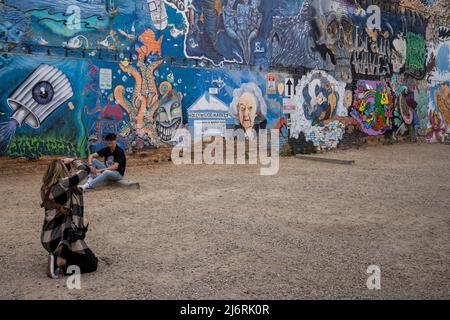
(351,139)
(17,166)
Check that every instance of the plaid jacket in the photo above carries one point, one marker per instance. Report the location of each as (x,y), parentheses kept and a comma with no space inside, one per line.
(56,224)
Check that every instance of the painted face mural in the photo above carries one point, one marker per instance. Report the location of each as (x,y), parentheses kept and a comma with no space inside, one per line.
(169,115)
(319,102)
(249,108)
(372,107)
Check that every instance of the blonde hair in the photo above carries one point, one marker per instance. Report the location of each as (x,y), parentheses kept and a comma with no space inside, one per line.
(55,171)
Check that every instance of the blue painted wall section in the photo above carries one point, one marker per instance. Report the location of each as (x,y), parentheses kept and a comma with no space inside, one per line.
(331,71)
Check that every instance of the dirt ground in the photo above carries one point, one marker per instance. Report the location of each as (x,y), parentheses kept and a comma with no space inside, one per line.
(225,232)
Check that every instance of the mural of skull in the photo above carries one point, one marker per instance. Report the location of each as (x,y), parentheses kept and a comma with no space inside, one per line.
(335,30)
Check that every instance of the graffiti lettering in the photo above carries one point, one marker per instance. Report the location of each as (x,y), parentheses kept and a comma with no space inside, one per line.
(374,21)
(416,54)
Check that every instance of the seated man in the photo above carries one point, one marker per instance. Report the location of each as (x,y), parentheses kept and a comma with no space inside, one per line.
(113,167)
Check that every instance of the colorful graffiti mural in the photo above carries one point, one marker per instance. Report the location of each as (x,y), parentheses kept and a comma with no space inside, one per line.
(144,68)
(373,107)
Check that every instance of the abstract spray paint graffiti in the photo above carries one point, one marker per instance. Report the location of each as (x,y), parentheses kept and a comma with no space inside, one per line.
(40,94)
(404,116)
(373,107)
(437,127)
(439,111)
(416,55)
(442,99)
(439,61)
(319,103)
(36,147)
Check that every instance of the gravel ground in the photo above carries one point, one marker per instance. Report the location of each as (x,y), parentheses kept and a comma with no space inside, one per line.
(225,232)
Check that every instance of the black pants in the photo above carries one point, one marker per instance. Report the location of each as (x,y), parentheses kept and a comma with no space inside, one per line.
(86,262)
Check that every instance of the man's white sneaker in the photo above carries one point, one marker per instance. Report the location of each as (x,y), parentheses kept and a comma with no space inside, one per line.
(85,186)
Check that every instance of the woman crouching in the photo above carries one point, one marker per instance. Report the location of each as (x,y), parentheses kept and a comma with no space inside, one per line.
(65,225)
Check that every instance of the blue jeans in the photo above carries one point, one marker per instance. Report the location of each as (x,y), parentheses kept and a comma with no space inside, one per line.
(107,175)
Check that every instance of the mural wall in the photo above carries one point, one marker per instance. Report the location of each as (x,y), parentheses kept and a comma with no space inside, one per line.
(323,72)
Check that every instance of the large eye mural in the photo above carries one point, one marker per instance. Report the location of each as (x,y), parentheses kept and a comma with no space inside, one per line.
(38,96)
(43,92)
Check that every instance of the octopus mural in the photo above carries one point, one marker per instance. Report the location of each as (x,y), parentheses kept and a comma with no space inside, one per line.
(148,102)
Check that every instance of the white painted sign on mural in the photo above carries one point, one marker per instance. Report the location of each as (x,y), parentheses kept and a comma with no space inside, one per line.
(105,79)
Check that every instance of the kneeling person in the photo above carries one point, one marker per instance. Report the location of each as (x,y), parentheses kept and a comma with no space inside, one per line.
(113,167)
